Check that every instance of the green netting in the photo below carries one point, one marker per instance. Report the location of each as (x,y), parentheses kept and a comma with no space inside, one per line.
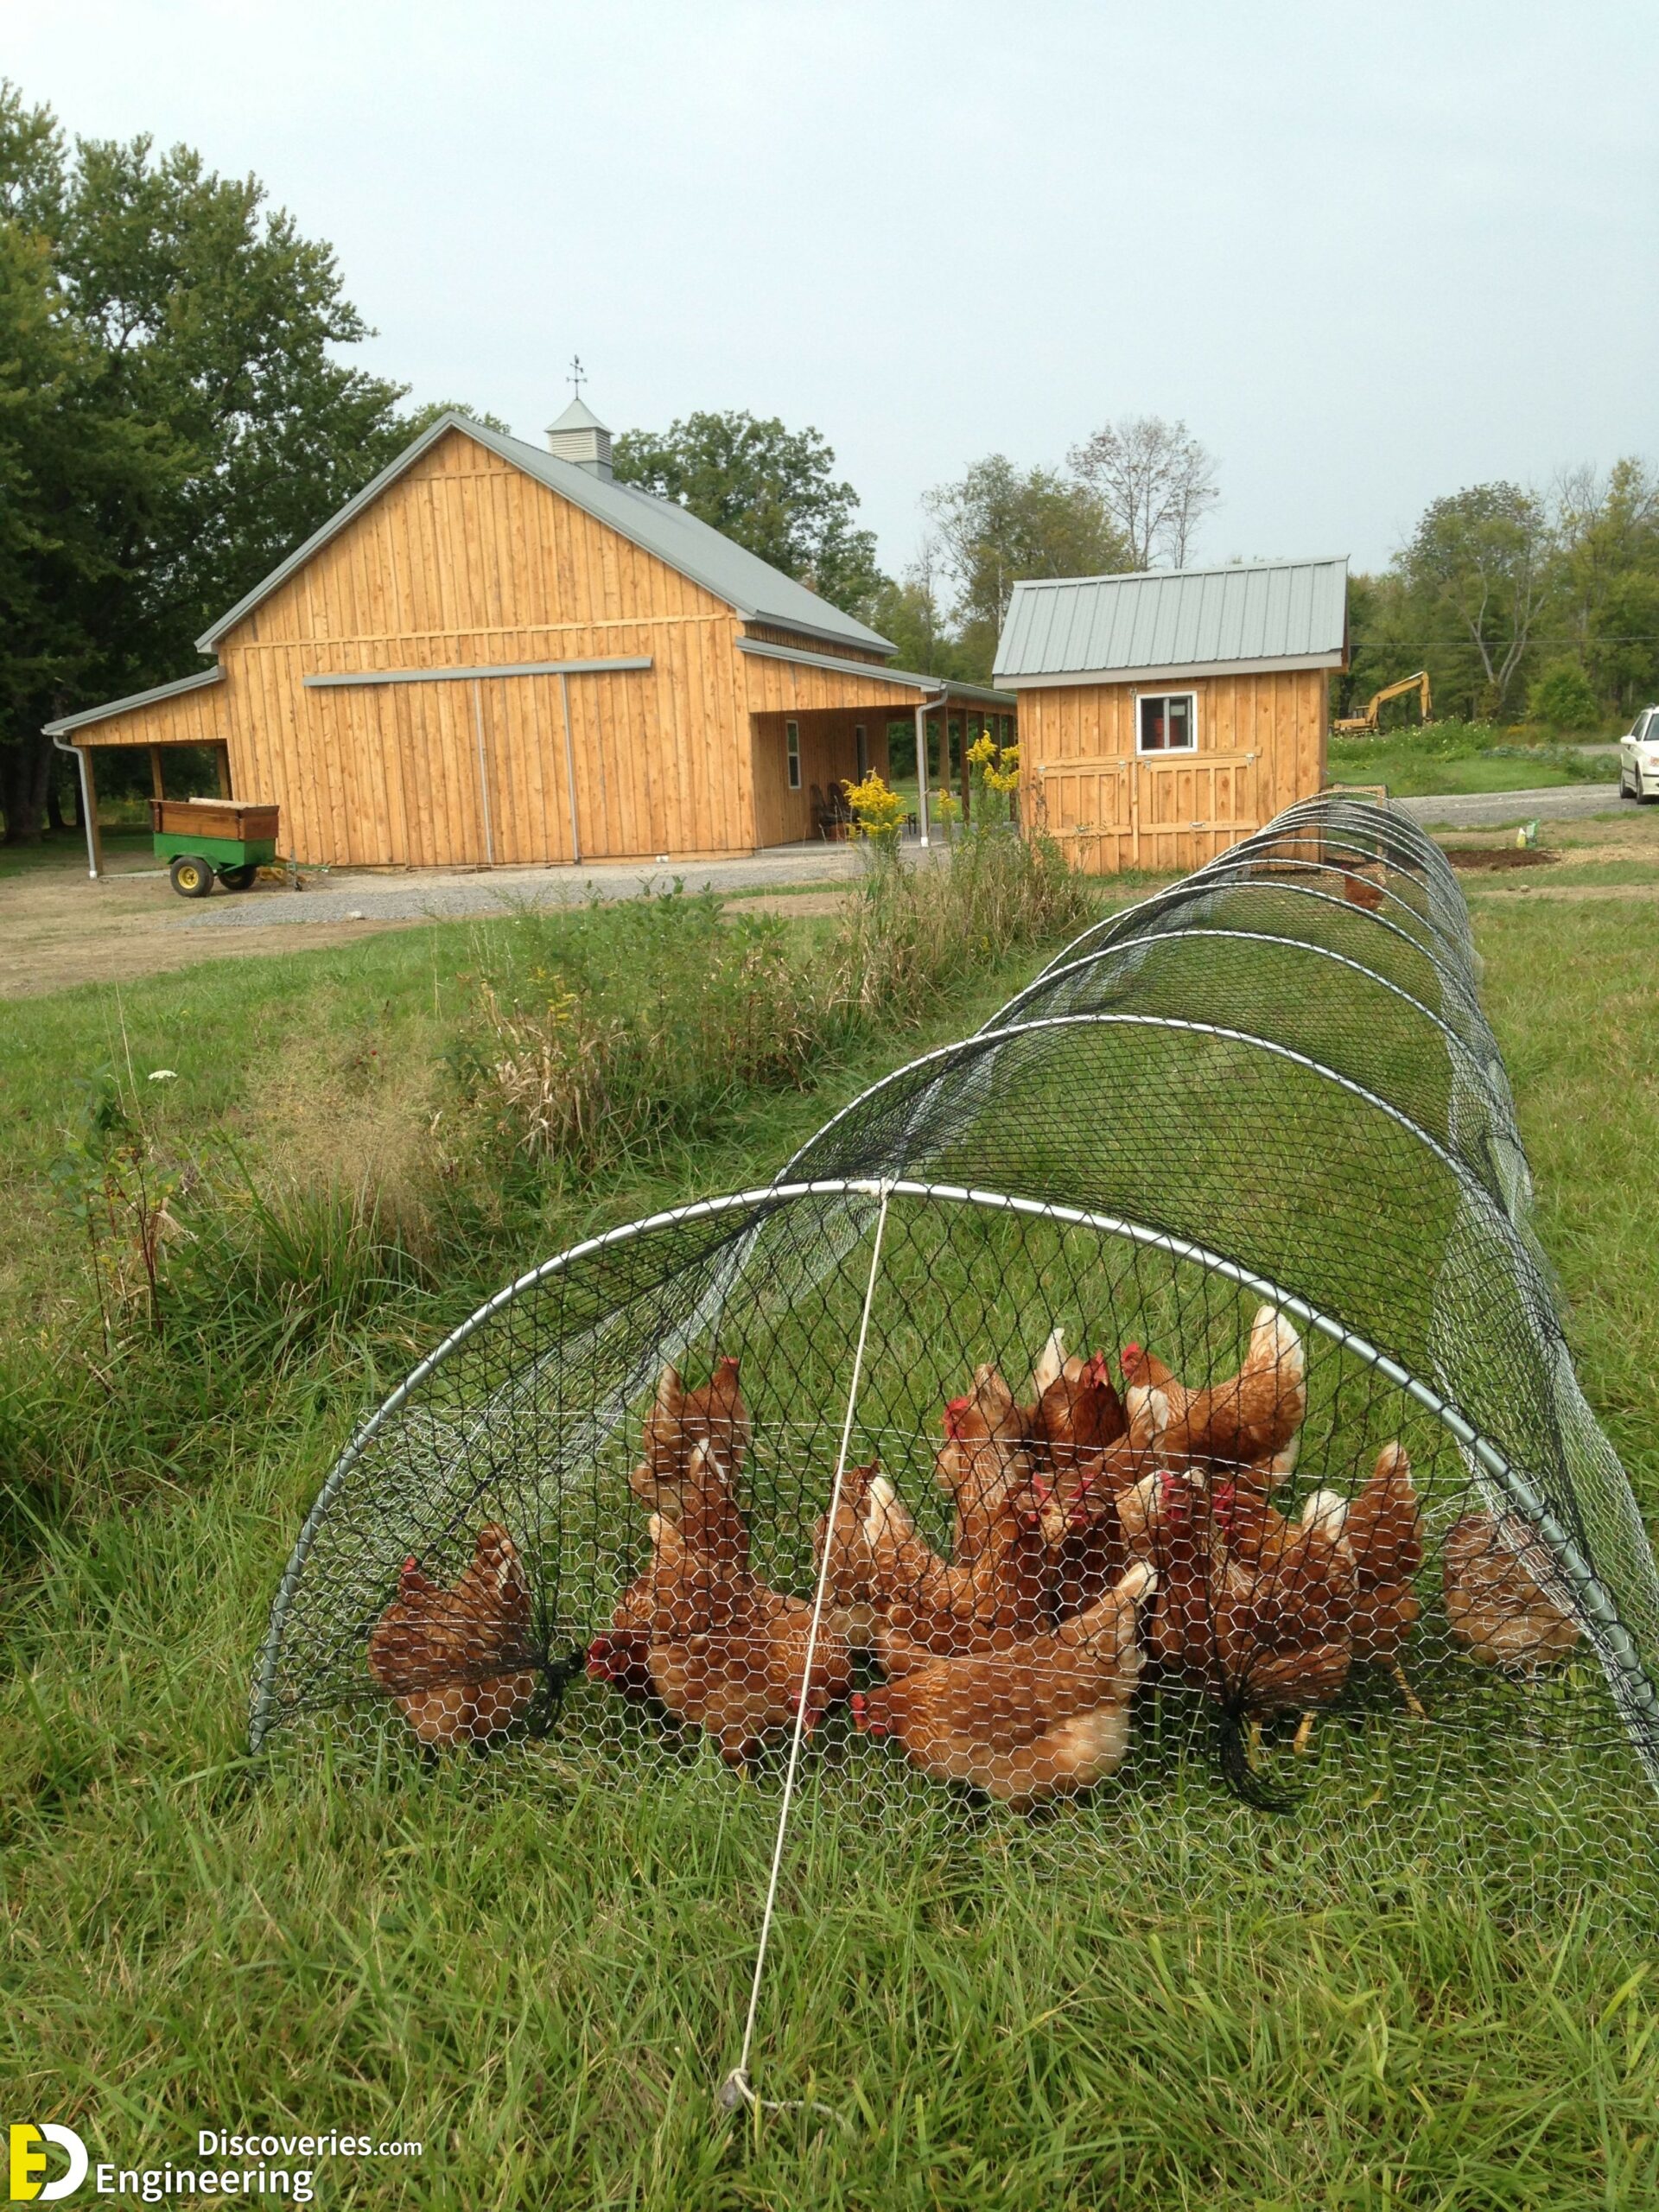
(1257,1125)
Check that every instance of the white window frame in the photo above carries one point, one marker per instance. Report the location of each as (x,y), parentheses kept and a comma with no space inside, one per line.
(1165,752)
(792,754)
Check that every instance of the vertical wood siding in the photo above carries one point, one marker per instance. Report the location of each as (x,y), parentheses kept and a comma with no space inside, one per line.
(1261,746)
(466,561)
(829,755)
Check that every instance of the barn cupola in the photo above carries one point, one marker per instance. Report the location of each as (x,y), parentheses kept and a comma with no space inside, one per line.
(579,436)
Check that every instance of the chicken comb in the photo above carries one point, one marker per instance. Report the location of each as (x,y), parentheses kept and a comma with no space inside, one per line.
(725,1368)
(1132,1354)
(858,1706)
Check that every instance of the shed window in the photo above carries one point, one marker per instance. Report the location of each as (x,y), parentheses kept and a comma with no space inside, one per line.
(861,745)
(793,749)
(1166,722)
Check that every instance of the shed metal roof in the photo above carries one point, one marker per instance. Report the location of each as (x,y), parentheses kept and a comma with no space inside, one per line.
(1270,613)
(752,586)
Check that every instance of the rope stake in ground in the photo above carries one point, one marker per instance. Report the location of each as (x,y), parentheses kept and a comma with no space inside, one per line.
(737,2087)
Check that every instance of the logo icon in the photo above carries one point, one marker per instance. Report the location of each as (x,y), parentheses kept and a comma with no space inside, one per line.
(27,2163)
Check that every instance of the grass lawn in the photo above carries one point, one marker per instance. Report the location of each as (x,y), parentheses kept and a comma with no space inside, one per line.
(540,1983)
(1426,766)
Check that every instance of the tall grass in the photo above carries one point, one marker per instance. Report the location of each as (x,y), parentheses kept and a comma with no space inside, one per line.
(194,1292)
(541,1981)
(699,1008)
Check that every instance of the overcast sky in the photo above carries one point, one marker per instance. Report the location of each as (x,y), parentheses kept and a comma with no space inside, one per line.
(1370,256)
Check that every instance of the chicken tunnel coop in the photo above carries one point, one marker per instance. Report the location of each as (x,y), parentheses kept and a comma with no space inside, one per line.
(1156,1397)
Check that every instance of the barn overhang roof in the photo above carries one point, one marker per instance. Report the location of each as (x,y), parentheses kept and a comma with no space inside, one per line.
(64,723)
(870,671)
(1257,618)
(725,569)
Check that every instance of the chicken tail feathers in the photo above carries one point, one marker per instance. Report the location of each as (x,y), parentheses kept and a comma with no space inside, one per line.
(1233,1755)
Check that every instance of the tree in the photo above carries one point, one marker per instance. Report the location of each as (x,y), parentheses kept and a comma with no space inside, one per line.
(1156,482)
(771,489)
(207,425)
(1563,698)
(1606,575)
(998,524)
(1479,559)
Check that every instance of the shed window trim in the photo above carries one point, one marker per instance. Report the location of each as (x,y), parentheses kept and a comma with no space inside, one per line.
(1165,701)
(792,754)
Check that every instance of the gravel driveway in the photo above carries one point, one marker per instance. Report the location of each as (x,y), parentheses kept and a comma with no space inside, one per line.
(446,894)
(1493,809)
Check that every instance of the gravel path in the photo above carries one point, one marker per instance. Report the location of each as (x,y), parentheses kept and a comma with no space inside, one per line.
(1493,809)
(446,894)
(453,893)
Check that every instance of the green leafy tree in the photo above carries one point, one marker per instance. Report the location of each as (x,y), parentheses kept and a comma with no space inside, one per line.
(999,523)
(770,488)
(1606,577)
(174,417)
(1563,698)
(1477,570)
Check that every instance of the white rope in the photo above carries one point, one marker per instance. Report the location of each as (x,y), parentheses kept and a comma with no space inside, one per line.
(737,2088)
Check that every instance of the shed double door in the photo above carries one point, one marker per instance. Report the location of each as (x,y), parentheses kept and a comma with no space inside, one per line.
(1188,807)
(1168,815)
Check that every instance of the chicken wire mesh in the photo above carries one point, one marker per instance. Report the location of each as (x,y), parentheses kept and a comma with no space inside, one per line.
(1213,1445)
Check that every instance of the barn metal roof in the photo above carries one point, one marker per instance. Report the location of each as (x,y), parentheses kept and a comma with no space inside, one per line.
(756,590)
(1268,614)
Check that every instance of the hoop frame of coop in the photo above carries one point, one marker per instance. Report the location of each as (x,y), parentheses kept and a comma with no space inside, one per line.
(1153,1408)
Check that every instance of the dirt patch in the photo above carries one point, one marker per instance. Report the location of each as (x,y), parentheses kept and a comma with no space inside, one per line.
(1494,859)
(1509,892)
(56,929)
(801,906)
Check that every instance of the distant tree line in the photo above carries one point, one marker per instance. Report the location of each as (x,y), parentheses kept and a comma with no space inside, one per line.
(1521,604)
(1130,497)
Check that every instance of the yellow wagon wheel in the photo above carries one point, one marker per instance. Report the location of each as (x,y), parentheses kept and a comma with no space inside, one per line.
(192,878)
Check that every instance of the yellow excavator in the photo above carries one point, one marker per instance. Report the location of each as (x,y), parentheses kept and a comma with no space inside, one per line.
(1367,724)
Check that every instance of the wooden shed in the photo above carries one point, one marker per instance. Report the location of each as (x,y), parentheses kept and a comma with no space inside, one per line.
(1163,717)
(497,654)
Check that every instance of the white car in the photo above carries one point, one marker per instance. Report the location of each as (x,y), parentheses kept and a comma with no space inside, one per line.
(1639,758)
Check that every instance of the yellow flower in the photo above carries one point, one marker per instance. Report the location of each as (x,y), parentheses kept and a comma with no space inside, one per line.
(877,811)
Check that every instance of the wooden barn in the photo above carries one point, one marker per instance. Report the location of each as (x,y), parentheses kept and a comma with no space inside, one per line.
(497,654)
(1164,716)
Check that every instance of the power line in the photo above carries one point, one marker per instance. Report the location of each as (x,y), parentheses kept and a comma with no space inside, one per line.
(1468,645)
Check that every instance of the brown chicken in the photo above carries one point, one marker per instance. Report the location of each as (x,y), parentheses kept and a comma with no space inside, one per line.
(728,1654)
(1251,1608)
(1078,1489)
(1500,1585)
(1383,1527)
(698,1499)
(853,1596)
(680,1419)
(457,1657)
(1043,1718)
(1252,1419)
(1077,1413)
(994,1584)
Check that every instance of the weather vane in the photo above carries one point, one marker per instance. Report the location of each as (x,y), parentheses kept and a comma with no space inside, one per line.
(578,374)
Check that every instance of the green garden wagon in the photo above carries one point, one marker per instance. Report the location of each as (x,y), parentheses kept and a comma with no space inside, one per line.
(208,837)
